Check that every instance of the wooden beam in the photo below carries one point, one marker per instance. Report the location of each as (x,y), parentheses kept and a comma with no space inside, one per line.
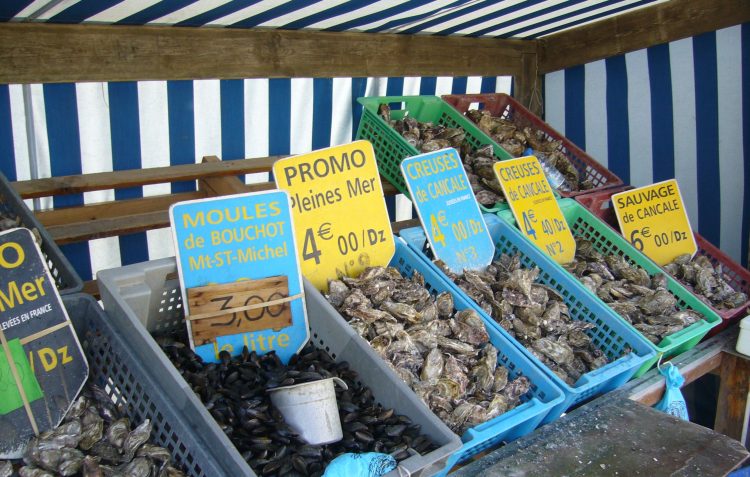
(112,209)
(136,177)
(640,29)
(50,53)
(732,401)
(114,218)
(693,364)
(691,371)
(109,227)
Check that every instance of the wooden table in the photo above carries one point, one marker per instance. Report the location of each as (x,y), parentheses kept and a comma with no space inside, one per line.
(619,434)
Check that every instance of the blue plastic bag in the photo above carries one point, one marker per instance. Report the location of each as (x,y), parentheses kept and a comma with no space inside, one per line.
(368,464)
(673,402)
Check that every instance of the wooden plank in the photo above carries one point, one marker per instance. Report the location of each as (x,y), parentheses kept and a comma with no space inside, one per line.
(642,28)
(405,224)
(693,364)
(110,227)
(113,209)
(616,437)
(136,177)
(91,287)
(231,301)
(732,401)
(115,218)
(49,53)
(691,371)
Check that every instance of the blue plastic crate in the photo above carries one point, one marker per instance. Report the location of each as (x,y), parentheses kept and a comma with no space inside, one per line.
(610,335)
(545,396)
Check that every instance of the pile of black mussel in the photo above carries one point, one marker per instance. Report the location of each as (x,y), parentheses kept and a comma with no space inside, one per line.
(234,391)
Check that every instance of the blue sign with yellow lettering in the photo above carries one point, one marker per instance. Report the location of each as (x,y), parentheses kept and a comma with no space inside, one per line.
(245,243)
(450,215)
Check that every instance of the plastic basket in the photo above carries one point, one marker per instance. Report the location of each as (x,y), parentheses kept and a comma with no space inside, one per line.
(66,278)
(115,366)
(145,293)
(503,106)
(610,335)
(606,240)
(546,398)
(737,276)
(391,148)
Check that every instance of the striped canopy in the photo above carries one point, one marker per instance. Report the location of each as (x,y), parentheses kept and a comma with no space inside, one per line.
(521,19)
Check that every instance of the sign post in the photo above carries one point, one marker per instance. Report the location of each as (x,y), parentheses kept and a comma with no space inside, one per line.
(654,220)
(239,274)
(339,211)
(534,206)
(450,216)
(42,366)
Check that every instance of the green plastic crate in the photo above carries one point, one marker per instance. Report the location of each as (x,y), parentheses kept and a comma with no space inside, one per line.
(391,148)
(585,224)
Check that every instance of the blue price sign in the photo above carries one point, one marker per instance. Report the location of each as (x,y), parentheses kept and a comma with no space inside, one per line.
(245,242)
(442,194)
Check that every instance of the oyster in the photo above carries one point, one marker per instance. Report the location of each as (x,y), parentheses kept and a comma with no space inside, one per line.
(444,355)
(642,300)
(707,281)
(516,138)
(428,137)
(81,446)
(532,313)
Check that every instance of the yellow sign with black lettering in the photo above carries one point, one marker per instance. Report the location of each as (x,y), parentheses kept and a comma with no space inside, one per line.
(534,206)
(340,219)
(654,220)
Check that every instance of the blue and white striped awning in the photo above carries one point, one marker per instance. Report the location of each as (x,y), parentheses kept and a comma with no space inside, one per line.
(522,19)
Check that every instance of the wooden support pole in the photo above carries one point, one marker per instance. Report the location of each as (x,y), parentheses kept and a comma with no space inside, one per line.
(528,84)
(733,391)
(216,186)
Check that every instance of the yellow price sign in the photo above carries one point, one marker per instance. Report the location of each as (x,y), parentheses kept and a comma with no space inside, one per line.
(340,219)
(654,220)
(534,206)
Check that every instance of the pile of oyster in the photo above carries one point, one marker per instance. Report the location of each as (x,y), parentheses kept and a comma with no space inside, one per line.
(706,281)
(443,355)
(534,314)
(642,300)
(515,139)
(234,391)
(428,137)
(94,440)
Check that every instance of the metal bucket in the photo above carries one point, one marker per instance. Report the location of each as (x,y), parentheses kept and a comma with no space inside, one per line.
(310,409)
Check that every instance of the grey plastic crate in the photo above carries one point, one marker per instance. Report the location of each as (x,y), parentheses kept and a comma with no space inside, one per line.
(145,297)
(126,377)
(66,278)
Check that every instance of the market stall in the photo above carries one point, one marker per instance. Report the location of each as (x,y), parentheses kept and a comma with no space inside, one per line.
(117,116)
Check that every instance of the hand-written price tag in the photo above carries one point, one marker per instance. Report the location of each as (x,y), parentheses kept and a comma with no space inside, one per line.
(39,350)
(654,220)
(534,206)
(448,210)
(246,238)
(339,211)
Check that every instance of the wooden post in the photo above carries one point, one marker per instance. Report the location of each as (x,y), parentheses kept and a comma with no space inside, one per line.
(216,186)
(528,84)
(732,403)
